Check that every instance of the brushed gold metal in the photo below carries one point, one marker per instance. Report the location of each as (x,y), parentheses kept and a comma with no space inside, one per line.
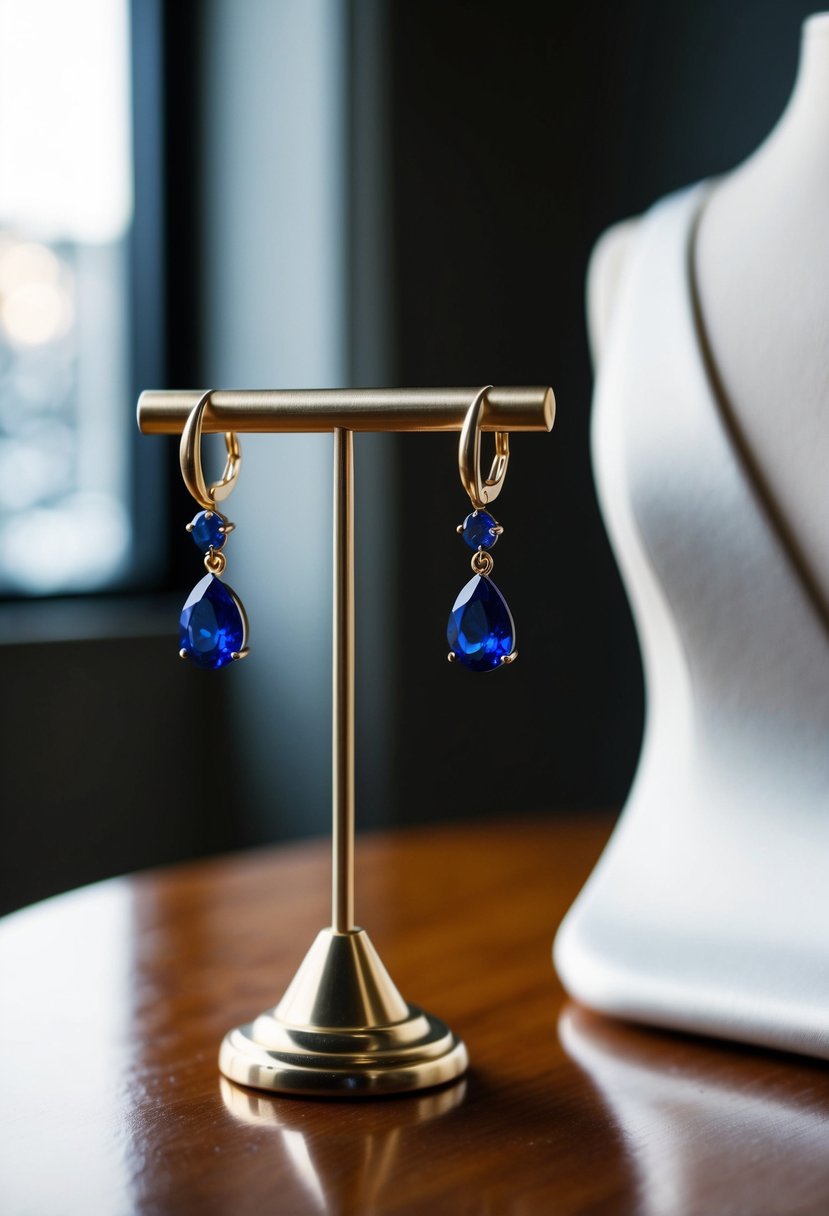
(190,459)
(343,694)
(481,490)
(165,411)
(341,983)
(343,1029)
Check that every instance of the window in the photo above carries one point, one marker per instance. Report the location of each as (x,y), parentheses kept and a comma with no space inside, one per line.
(65,216)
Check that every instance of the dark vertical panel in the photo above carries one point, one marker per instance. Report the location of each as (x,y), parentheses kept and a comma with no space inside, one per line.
(183,31)
(520,132)
(370,318)
(183,55)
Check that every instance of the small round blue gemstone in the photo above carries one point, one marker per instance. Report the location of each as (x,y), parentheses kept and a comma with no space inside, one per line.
(205,528)
(481,630)
(212,625)
(479,530)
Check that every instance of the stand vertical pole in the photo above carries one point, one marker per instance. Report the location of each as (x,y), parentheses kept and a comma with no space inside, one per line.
(343,691)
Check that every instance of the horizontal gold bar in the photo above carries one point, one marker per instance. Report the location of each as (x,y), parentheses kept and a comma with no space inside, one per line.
(165,411)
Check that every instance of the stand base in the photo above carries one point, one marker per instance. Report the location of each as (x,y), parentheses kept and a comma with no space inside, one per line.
(415,1054)
(343,1030)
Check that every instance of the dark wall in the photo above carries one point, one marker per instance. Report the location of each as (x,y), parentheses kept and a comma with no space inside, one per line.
(520,132)
(112,759)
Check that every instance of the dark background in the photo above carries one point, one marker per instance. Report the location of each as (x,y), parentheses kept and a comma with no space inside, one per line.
(486,148)
(520,133)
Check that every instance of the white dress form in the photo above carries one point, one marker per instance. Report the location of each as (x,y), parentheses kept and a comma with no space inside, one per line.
(709,319)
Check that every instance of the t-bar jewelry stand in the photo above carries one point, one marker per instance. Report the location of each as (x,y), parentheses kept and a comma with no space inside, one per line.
(342,1028)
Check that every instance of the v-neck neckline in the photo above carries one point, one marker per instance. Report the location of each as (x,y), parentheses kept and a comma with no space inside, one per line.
(733,430)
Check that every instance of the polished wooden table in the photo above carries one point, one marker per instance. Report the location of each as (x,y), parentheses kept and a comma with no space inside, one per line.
(115,998)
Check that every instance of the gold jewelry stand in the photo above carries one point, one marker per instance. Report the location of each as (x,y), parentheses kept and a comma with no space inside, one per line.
(342,1028)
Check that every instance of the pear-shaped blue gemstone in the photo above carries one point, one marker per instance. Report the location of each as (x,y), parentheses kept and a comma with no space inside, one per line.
(481,630)
(212,627)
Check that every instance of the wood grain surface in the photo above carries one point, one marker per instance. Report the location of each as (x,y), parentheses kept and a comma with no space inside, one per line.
(115,998)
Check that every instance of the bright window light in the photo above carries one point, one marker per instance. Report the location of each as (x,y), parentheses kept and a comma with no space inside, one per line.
(65,118)
(65,215)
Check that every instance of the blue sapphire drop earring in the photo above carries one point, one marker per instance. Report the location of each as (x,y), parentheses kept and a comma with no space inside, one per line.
(213,628)
(481,631)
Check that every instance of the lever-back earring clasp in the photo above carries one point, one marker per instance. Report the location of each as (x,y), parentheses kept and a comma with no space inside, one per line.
(481,492)
(190,459)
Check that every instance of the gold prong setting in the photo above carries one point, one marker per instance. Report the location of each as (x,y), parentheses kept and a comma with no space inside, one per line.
(480,530)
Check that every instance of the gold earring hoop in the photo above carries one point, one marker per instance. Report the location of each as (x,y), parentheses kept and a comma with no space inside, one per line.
(190,459)
(481,491)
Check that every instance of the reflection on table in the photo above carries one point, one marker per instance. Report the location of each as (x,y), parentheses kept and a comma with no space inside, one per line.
(709,1127)
(352,1169)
